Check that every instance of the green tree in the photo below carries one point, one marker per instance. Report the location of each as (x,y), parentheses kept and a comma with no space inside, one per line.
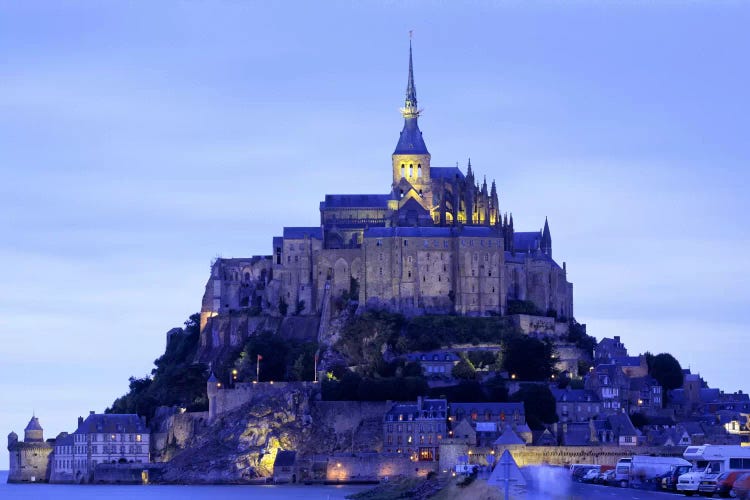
(174,381)
(464,370)
(528,358)
(539,404)
(273,351)
(667,371)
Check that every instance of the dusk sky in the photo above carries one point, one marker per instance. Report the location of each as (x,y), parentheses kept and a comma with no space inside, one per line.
(139,140)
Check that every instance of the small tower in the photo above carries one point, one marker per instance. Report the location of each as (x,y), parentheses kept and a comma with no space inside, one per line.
(12,440)
(546,243)
(212,389)
(33,433)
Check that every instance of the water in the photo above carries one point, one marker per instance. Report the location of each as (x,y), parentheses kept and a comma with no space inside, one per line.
(168,492)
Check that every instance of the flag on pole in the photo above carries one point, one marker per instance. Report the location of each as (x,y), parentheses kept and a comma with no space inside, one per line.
(260,357)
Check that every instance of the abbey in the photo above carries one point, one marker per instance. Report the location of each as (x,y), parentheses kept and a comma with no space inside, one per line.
(436,243)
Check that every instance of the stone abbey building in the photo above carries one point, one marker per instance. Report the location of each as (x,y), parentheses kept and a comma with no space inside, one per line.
(436,243)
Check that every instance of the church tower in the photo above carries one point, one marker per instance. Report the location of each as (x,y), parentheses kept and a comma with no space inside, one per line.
(411,160)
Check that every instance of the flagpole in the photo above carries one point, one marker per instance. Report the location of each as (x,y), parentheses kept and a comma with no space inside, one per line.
(257,368)
(315,368)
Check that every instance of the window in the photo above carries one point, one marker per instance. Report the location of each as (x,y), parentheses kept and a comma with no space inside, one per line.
(411,170)
(419,171)
(406,243)
(403,171)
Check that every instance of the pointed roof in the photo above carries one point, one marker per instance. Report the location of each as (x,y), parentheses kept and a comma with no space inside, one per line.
(212,379)
(411,90)
(33,425)
(508,438)
(410,141)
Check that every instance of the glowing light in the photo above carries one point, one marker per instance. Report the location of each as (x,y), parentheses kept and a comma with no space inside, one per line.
(513,376)
(338,464)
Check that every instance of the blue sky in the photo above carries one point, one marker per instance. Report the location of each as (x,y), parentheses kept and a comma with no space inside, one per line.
(139,140)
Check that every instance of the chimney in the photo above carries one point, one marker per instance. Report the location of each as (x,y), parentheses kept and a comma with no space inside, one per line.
(80,420)
(91,412)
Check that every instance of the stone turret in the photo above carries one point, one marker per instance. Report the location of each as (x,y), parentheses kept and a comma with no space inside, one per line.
(33,433)
(12,440)
(212,388)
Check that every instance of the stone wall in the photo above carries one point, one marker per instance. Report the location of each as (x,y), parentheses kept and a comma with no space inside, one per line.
(120,474)
(175,432)
(29,462)
(375,467)
(347,426)
(223,400)
(601,455)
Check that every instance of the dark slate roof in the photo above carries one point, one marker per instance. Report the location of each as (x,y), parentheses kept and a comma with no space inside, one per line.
(523,242)
(621,425)
(285,458)
(212,379)
(408,232)
(64,439)
(710,395)
(482,408)
(404,409)
(447,173)
(431,232)
(575,396)
(300,233)
(627,360)
(355,201)
(410,142)
(477,231)
(33,425)
(112,423)
(508,438)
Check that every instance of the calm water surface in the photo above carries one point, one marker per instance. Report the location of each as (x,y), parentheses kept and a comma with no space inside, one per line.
(86,492)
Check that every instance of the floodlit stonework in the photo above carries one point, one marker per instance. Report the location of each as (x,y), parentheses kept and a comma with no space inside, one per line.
(436,243)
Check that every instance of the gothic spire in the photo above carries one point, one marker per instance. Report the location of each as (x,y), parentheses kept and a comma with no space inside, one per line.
(411,90)
(410,141)
(546,239)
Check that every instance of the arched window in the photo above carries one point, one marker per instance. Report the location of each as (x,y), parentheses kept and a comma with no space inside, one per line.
(419,170)
(403,170)
(411,170)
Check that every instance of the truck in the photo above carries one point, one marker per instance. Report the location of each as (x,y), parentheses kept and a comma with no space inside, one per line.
(708,462)
(640,470)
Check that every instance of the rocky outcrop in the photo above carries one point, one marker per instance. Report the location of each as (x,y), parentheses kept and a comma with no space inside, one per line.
(241,445)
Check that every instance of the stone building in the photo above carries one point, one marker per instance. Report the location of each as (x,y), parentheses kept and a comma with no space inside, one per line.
(576,405)
(100,439)
(487,420)
(437,242)
(416,430)
(29,459)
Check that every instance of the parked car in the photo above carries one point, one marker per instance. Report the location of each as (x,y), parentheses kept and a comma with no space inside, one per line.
(608,478)
(741,487)
(668,480)
(591,475)
(583,470)
(725,482)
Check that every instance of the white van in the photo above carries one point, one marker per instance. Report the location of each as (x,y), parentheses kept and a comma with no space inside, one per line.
(708,462)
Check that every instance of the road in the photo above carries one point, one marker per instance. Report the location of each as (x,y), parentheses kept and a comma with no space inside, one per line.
(580,491)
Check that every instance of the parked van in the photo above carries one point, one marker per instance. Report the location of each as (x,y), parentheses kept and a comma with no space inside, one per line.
(643,469)
(708,462)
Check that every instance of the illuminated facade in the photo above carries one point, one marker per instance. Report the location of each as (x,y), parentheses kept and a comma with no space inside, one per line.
(436,243)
